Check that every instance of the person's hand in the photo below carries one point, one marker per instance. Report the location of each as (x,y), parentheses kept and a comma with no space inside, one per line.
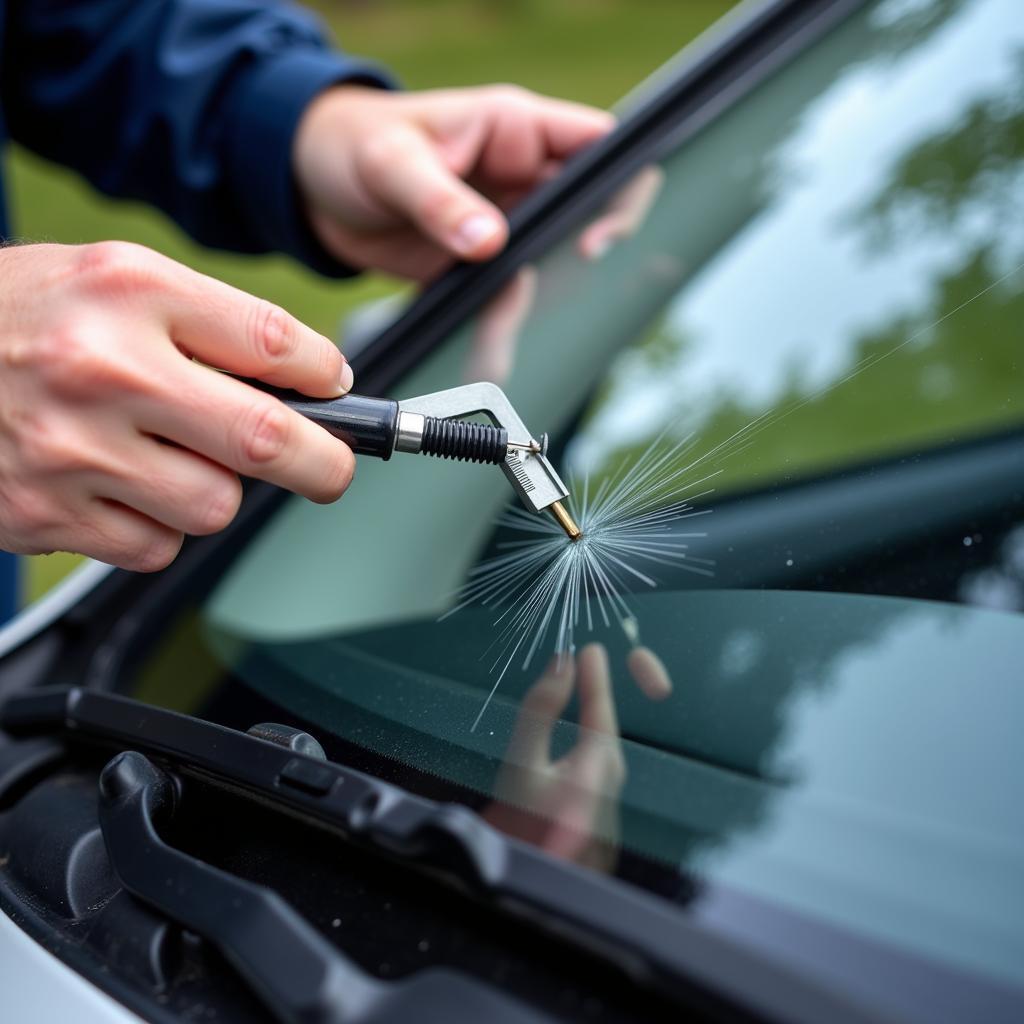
(406,183)
(114,440)
(567,807)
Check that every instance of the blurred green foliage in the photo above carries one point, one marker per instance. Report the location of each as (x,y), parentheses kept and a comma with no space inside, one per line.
(592,51)
(947,373)
(940,372)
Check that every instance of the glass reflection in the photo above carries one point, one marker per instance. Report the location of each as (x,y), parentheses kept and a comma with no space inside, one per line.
(492,350)
(568,805)
(870,245)
(836,260)
(815,750)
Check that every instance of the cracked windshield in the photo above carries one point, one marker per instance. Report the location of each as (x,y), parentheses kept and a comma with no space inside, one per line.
(781,376)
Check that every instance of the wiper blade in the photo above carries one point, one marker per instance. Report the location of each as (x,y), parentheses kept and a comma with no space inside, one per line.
(656,944)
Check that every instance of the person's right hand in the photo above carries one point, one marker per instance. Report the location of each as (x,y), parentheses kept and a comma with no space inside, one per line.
(568,806)
(114,440)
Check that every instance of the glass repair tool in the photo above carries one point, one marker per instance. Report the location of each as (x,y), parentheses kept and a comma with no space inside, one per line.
(433,425)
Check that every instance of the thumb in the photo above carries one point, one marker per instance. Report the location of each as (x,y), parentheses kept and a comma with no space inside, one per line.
(406,172)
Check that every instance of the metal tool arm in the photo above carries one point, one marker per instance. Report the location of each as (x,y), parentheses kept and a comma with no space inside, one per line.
(433,425)
(526,464)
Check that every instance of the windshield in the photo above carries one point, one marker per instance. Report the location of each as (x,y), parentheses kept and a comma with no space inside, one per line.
(798,335)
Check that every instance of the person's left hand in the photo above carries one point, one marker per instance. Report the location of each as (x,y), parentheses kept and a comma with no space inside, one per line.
(407,182)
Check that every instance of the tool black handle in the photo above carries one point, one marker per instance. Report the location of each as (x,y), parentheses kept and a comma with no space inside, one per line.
(367,425)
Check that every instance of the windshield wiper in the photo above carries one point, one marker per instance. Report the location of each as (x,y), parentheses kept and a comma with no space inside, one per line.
(653,942)
(298,974)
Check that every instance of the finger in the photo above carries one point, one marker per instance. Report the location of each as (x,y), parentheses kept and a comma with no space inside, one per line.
(403,252)
(507,197)
(515,144)
(120,536)
(248,432)
(526,131)
(541,707)
(176,487)
(497,331)
(406,172)
(596,764)
(649,673)
(232,330)
(568,126)
(597,704)
(597,760)
(592,779)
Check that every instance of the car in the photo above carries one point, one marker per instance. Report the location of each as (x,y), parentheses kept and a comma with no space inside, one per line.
(768,769)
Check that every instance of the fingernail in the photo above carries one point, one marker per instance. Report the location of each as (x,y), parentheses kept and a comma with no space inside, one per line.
(473,231)
(347,379)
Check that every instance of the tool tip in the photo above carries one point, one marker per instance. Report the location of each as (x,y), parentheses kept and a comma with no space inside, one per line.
(566,521)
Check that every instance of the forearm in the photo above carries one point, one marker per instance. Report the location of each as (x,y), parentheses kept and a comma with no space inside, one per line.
(190,105)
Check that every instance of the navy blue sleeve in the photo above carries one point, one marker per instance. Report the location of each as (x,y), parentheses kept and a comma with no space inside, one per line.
(190,105)
(8,585)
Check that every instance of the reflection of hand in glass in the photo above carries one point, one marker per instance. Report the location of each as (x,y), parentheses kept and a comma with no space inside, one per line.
(646,668)
(497,330)
(569,806)
(649,673)
(624,214)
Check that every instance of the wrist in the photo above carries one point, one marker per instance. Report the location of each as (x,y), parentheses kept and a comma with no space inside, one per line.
(321,149)
(328,114)
(268,108)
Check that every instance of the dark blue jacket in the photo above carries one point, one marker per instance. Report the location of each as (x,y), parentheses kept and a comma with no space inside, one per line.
(190,105)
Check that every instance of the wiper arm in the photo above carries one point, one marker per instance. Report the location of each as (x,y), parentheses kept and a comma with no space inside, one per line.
(654,943)
(285,960)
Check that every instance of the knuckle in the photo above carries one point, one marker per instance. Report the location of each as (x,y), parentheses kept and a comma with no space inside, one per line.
(338,474)
(76,359)
(272,332)
(263,433)
(48,449)
(155,553)
(115,267)
(27,511)
(507,94)
(221,508)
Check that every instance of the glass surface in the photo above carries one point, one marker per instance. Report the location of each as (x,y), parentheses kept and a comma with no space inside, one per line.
(825,288)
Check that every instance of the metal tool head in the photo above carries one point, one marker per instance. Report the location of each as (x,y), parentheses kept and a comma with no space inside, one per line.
(526,463)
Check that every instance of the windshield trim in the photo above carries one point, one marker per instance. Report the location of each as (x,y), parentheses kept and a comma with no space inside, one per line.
(704,81)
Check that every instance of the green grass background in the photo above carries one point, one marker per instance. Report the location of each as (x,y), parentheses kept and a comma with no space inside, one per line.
(592,51)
